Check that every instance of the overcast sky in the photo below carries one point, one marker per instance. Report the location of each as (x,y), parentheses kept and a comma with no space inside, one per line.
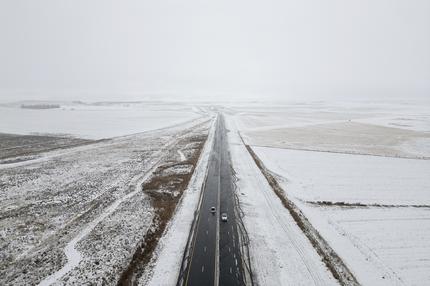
(303,49)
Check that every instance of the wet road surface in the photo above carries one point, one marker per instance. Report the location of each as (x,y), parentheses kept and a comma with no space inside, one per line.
(215,253)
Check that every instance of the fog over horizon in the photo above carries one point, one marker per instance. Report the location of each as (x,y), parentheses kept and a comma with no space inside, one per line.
(105,50)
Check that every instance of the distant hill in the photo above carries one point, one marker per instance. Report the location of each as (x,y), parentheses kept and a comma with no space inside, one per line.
(40,106)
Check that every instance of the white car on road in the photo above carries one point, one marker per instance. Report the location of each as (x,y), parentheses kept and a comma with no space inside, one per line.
(224,217)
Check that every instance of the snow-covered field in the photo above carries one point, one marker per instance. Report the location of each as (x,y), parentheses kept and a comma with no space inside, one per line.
(325,176)
(261,116)
(280,252)
(77,215)
(94,121)
(385,241)
(382,246)
(350,128)
(360,173)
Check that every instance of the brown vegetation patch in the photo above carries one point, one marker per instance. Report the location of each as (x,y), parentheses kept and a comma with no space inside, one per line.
(165,191)
(18,148)
(361,205)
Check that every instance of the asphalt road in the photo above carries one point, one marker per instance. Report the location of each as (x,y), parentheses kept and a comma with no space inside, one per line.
(215,254)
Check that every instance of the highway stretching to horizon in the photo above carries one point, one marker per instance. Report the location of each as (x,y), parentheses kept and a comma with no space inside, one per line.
(215,256)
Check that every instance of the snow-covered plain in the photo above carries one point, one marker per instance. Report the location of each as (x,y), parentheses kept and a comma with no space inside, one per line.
(349,128)
(345,155)
(81,211)
(94,121)
(261,116)
(382,246)
(387,242)
(280,252)
(359,172)
(325,176)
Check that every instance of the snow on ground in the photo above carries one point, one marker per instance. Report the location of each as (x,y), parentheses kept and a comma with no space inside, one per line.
(74,257)
(380,245)
(409,122)
(46,204)
(280,253)
(398,130)
(167,258)
(385,242)
(419,146)
(324,176)
(73,202)
(285,116)
(94,121)
(344,137)
(413,115)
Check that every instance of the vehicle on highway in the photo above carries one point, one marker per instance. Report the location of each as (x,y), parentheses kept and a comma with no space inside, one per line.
(224,217)
(213,210)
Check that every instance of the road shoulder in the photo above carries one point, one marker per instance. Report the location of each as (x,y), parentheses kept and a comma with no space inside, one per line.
(165,264)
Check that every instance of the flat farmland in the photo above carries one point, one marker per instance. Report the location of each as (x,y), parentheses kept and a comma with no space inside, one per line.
(359,173)
(78,215)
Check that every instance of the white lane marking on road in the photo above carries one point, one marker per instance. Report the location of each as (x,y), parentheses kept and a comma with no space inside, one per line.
(229,250)
(203,268)
(235,261)
(204,249)
(207,232)
(216,278)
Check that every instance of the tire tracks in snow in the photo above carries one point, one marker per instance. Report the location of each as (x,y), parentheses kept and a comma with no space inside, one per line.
(297,245)
(333,262)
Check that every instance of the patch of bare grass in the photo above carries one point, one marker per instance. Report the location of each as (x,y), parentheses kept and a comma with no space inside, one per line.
(165,190)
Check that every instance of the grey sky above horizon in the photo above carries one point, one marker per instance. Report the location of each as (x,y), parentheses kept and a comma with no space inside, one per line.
(303,49)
